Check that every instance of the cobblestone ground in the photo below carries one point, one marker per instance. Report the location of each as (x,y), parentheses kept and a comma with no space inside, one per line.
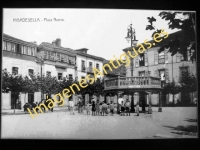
(173,122)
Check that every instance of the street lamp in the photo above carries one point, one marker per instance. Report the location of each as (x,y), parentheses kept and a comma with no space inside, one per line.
(131,37)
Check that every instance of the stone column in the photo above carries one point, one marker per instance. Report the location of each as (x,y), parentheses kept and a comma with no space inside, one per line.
(149,109)
(132,102)
(160,102)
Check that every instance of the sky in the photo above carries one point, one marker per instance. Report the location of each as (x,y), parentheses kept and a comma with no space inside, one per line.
(102,31)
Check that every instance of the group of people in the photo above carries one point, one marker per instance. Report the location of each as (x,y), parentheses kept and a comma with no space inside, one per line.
(102,108)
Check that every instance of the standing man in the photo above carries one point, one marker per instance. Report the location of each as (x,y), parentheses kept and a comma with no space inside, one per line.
(120,102)
(71,105)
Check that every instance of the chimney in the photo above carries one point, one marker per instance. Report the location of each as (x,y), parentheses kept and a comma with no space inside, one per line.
(58,42)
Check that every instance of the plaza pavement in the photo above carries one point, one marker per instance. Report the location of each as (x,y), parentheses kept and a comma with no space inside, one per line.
(173,122)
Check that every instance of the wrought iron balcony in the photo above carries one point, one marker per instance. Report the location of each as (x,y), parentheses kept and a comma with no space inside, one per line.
(143,82)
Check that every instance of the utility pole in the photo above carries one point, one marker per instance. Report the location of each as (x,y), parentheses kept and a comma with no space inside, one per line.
(41,61)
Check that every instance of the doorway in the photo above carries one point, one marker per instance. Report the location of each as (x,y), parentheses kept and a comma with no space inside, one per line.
(30,97)
(14,99)
(142,101)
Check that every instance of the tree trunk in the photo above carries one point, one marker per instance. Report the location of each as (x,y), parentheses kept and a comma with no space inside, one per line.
(173,99)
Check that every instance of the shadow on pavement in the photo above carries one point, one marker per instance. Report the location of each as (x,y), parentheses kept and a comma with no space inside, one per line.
(184,130)
(191,120)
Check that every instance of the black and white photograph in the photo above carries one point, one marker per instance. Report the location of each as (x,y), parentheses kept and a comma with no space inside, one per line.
(88,73)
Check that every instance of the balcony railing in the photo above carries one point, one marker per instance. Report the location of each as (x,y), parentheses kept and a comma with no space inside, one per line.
(132,82)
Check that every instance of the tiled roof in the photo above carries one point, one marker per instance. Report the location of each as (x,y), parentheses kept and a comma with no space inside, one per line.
(13,39)
(49,45)
(89,55)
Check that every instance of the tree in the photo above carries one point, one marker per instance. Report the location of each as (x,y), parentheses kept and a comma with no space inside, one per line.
(188,83)
(185,22)
(48,84)
(172,88)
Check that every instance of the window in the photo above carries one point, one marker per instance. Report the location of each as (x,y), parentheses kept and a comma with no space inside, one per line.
(97,66)
(29,50)
(48,74)
(83,65)
(70,77)
(4,45)
(33,51)
(22,49)
(59,76)
(25,50)
(30,72)
(162,74)
(15,70)
(141,59)
(141,73)
(161,57)
(51,55)
(58,57)
(71,60)
(62,57)
(46,55)
(90,64)
(13,47)
(8,46)
(185,56)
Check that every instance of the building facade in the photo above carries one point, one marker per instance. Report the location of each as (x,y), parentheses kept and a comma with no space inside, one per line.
(57,60)
(163,65)
(86,62)
(18,58)
(48,59)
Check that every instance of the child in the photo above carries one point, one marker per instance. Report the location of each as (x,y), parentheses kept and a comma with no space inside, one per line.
(127,107)
(93,108)
(112,108)
(115,108)
(88,108)
(137,108)
(100,109)
(97,107)
(122,109)
(104,108)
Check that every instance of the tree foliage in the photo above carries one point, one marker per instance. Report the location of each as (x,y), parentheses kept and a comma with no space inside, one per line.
(188,83)
(185,22)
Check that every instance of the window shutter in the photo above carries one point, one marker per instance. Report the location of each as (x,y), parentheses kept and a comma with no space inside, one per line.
(136,62)
(156,73)
(178,59)
(67,58)
(188,55)
(156,57)
(167,74)
(145,59)
(166,55)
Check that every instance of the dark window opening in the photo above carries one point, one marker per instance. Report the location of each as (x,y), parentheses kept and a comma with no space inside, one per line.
(15,70)
(141,59)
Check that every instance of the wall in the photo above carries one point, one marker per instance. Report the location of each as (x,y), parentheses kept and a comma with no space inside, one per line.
(23,65)
(6,100)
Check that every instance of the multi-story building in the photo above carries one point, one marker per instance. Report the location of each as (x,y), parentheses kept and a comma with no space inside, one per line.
(49,59)
(86,62)
(164,65)
(18,58)
(58,61)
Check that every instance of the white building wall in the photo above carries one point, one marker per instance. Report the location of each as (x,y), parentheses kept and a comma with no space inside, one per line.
(23,65)
(6,100)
